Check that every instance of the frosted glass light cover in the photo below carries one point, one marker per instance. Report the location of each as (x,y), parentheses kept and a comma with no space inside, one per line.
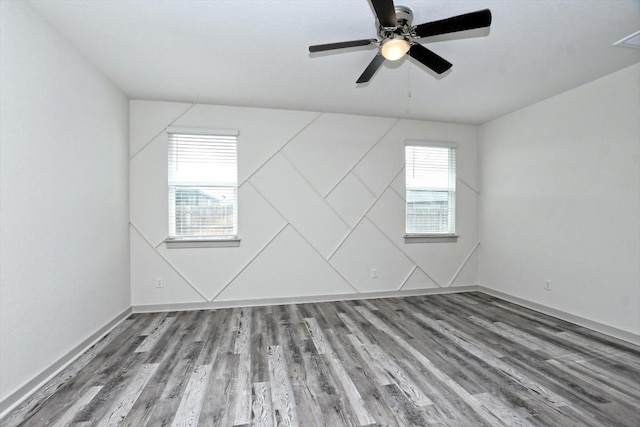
(394,49)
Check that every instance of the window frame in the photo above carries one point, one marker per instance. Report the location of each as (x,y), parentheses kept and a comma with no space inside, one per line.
(432,237)
(194,241)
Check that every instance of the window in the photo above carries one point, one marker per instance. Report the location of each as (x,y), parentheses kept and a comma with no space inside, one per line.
(431,189)
(203,184)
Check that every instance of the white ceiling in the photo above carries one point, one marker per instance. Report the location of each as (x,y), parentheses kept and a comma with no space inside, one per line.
(255,53)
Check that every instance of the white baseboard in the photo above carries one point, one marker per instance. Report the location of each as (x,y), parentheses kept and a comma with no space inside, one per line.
(152,308)
(611,331)
(580,321)
(23,392)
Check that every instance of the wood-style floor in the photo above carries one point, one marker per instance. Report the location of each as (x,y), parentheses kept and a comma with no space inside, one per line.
(445,360)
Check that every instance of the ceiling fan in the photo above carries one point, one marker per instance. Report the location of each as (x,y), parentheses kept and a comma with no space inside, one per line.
(397,36)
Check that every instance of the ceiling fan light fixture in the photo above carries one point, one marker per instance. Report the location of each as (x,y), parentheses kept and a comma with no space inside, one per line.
(394,48)
(396,35)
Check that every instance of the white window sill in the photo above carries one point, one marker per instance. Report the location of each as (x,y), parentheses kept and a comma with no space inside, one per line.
(201,243)
(430,238)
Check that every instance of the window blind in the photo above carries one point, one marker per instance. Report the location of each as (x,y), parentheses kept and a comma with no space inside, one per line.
(203,184)
(430,188)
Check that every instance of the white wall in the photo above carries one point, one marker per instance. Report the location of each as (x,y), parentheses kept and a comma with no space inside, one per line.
(64,198)
(560,200)
(321,205)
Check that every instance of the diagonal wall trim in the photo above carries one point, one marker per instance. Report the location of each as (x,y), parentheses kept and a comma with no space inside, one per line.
(160,133)
(402,196)
(407,278)
(363,216)
(365,185)
(467,257)
(355,175)
(303,238)
(360,159)
(425,273)
(388,238)
(280,149)
(239,187)
(405,254)
(173,267)
(284,155)
(338,186)
(466,184)
(250,261)
(263,198)
(463,182)
(328,263)
(463,264)
(350,232)
(389,187)
(243,268)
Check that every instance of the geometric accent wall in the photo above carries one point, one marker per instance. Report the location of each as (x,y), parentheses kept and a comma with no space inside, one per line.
(320,207)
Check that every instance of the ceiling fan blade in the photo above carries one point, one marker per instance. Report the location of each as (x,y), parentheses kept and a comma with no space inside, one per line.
(371,69)
(468,21)
(386,12)
(341,45)
(430,59)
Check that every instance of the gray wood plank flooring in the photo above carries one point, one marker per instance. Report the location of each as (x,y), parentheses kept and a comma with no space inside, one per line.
(441,360)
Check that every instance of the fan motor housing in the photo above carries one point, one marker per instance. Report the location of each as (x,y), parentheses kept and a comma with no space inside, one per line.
(404,17)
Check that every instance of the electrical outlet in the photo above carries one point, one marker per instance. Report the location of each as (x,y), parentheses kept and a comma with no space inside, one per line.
(159,283)
(547,286)
(374,273)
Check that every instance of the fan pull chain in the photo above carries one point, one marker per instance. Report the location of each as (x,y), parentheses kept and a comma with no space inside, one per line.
(408,87)
(409,78)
